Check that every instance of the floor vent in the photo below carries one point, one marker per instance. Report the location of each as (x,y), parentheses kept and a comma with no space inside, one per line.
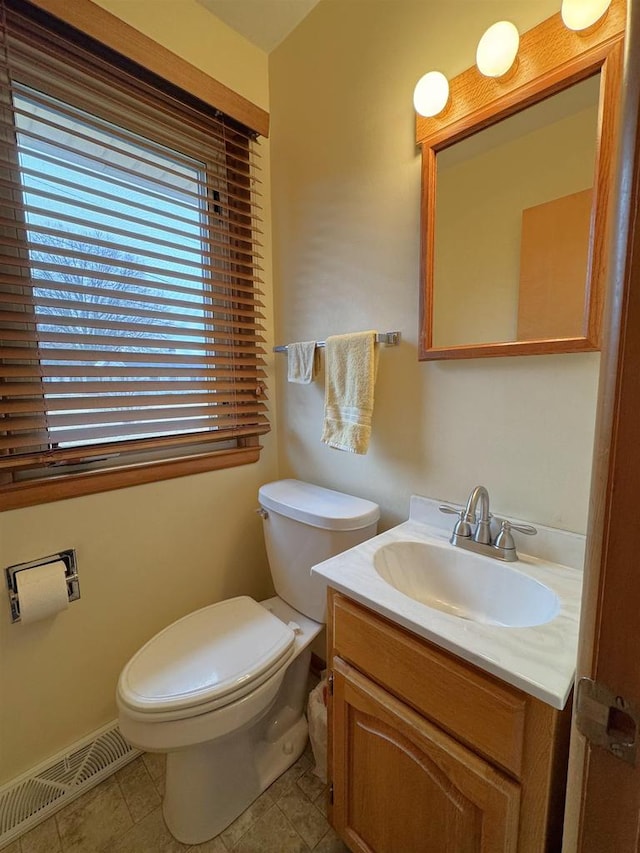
(33,797)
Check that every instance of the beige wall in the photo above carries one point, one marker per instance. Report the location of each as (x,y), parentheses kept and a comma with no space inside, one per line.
(346,190)
(146,555)
(477,245)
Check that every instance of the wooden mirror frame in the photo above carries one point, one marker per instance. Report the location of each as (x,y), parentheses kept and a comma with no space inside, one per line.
(551,58)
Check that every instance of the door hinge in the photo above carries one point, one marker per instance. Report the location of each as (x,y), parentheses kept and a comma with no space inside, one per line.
(331,794)
(607,719)
(330,680)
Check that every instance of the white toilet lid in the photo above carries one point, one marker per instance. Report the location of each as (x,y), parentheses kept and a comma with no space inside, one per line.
(210,657)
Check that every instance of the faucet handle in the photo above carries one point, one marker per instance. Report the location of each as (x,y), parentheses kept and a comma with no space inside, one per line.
(505,539)
(451,510)
(523,528)
(462,527)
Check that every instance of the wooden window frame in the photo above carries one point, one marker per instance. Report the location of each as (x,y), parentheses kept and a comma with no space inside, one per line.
(96,23)
(124,44)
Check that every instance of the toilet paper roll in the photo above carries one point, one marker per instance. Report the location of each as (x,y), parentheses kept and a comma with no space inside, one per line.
(42,591)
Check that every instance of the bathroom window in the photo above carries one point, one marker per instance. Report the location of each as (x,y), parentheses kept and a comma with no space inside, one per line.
(128,280)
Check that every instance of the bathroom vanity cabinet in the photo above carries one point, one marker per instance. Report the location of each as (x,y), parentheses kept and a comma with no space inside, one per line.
(429,753)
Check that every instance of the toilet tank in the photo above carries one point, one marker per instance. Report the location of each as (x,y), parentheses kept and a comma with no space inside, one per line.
(304,525)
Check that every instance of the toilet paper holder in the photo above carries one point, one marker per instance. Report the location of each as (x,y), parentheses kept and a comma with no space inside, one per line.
(71,576)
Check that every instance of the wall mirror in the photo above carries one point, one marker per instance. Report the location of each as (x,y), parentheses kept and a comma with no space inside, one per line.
(514,199)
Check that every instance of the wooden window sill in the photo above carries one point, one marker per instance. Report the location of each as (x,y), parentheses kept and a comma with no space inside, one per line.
(63,486)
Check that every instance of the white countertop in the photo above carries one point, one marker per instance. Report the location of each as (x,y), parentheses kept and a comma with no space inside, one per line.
(540,660)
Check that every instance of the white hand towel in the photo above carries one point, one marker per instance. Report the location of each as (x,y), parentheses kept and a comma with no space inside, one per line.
(351,366)
(302,362)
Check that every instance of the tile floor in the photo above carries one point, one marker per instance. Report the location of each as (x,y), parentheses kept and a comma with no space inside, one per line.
(123,815)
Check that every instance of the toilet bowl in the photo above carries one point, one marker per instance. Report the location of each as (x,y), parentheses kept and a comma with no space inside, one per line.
(223,690)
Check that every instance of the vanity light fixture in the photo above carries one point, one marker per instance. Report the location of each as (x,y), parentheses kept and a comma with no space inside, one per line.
(497,49)
(582,14)
(431,94)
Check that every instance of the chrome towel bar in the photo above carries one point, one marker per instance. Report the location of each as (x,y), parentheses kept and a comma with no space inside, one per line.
(391,339)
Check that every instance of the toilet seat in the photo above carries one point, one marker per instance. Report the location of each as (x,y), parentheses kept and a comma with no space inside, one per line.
(206,660)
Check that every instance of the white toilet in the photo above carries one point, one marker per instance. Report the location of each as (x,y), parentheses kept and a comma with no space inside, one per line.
(223,690)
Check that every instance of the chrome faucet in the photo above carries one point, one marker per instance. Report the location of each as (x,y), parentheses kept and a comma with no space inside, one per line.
(479,539)
(483,526)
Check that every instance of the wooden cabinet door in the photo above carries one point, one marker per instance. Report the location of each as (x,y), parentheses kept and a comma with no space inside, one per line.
(401,785)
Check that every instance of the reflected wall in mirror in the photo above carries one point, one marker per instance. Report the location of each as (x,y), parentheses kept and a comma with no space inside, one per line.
(515,185)
(512,223)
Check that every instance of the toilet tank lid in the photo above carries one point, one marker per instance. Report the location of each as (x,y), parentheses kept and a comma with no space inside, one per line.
(318,506)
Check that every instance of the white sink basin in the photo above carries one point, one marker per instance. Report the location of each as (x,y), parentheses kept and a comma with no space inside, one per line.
(464,584)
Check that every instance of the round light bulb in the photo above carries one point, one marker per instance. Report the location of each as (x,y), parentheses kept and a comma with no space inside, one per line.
(581,14)
(431,94)
(497,49)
